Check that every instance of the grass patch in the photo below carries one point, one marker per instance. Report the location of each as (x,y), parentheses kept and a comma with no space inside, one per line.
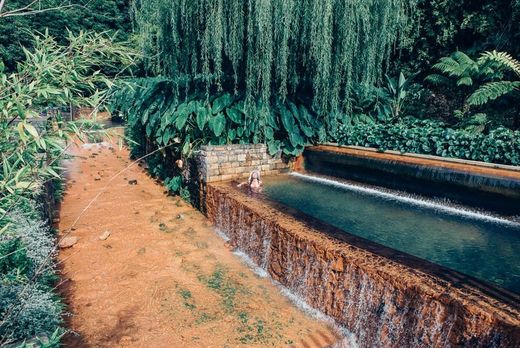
(219,282)
(204,318)
(252,331)
(188,299)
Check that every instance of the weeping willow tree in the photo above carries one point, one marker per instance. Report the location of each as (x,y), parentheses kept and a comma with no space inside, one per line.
(313,49)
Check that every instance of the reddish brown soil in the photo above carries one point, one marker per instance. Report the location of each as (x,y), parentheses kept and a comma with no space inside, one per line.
(163,278)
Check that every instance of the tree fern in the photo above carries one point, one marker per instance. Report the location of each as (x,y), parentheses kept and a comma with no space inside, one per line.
(465,81)
(458,65)
(491,91)
(503,59)
(437,79)
(486,71)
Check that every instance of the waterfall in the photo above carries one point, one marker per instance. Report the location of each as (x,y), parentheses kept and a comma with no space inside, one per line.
(381,302)
(492,189)
(410,199)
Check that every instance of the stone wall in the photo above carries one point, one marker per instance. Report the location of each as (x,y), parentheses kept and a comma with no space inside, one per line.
(385,298)
(228,162)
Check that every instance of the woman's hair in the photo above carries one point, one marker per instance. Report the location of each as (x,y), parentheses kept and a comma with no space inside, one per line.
(250,180)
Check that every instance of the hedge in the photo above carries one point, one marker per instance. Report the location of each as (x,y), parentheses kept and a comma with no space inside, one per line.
(430,137)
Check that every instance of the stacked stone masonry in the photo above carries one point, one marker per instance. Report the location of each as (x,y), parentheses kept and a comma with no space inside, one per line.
(228,162)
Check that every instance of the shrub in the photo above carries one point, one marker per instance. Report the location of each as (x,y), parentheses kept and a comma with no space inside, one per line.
(28,306)
(500,145)
(33,311)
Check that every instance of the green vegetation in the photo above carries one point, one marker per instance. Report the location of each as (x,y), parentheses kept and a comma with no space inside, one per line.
(223,285)
(484,77)
(178,125)
(431,137)
(315,50)
(441,27)
(288,76)
(33,140)
(16,32)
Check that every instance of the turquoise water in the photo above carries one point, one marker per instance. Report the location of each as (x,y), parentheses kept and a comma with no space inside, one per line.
(475,244)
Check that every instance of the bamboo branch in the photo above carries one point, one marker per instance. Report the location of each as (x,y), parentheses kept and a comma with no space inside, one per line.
(27,10)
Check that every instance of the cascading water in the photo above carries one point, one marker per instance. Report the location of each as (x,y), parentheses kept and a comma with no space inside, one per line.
(381,302)
(478,186)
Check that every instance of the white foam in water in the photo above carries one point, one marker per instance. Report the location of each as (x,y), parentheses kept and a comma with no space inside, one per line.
(409,200)
(222,235)
(347,340)
(247,260)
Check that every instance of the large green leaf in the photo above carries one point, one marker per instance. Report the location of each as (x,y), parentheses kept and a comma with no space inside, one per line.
(167,136)
(270,119)
(202,117)
(174,184)
(287,119)
(186,147)
(182,115)
(269,133)
(273,147)
(234,115)
(149,129)
(308,131)
(217,124)
(296,139)
(232,134)
(221,103)
(294,110)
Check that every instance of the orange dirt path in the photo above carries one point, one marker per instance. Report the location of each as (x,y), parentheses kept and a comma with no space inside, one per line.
(163,278)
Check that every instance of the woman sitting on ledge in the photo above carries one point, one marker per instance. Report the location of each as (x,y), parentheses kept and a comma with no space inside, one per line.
(254,183)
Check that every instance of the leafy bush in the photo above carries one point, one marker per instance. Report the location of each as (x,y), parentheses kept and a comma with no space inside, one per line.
(28,306)
(430,137)
(178,125)
(221,119)
(34,311)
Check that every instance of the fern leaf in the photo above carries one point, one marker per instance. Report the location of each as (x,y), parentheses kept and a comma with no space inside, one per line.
(503,59)
(462,58)
(465,81)
(437,79)
(491,91)
(447,65)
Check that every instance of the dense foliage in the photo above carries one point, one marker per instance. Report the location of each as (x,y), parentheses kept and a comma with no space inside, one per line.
(33,141)
(444,26)
(87,15)
(328,59)
(265,48)
(158,119)
(431,137)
